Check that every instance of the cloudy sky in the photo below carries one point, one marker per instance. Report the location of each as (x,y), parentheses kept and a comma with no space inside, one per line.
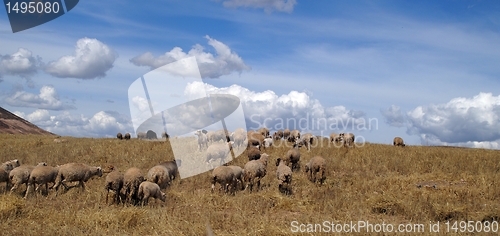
(426,71)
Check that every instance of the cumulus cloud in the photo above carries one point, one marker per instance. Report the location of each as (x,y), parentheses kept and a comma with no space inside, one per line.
(471,122)
(21,63)
(46,99)
(92,59)
(295,110)
(101,124)
(268,5)
(211,66)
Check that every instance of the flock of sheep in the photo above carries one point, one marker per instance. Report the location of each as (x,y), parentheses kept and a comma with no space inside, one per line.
(131,186)
(135,187)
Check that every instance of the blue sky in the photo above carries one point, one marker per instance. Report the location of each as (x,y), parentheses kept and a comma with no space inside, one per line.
(426,71)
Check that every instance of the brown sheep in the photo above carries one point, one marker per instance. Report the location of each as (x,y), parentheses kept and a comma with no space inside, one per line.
(119,136)
(294,135)
(132,178)
(21,174)
(286,134)
(114,182)
(255,139)
(225,176)
(316,165)
(348,139)
(292,157)
(72,172)
(42,175)
(255,170)
(127,136)
(284,175)
(264,131)
(398,141)
(335,138)
(159,175)
(253,153)
(172,167)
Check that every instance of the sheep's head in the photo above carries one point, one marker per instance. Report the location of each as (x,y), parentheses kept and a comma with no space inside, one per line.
(42,164)
(163,196)
(278,161)
(99,171)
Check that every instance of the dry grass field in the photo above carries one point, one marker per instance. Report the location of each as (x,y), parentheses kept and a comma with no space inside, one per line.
(375,183)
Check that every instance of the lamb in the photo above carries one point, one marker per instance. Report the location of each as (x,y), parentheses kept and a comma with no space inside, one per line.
(21,174)
(159,174)
(286,134)
(225,176)
(72,172)
(119,136)
(292,157)
(253,153)
(268,142)
(284,175)
(114,182)
(202,139)
(173,168)
(41,175)
(398,141)
(254,171)
(218,151)
(316,165)
(127,136)
(132,178)
(148,189)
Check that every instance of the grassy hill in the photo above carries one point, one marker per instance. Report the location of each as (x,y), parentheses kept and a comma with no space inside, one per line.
(375,183)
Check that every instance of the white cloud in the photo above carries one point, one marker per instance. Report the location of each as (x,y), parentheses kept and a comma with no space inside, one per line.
(211,66)
(101,124)
(92,59)
(268,5)
(21,63)
(295,110)
(470,122)
(47,99)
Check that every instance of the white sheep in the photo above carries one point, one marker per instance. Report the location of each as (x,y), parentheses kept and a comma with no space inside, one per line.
(132,178)
(316,165)
(255,170)
(218,151)
(72,172)
(268,142)
(159,174)
(224,175)
(41,175)
(148,189)
(114,182)
(202,139)
(292,157)
(284,175)
(21,174)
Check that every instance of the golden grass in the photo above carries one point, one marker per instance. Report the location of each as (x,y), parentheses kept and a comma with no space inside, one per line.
(375,183)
